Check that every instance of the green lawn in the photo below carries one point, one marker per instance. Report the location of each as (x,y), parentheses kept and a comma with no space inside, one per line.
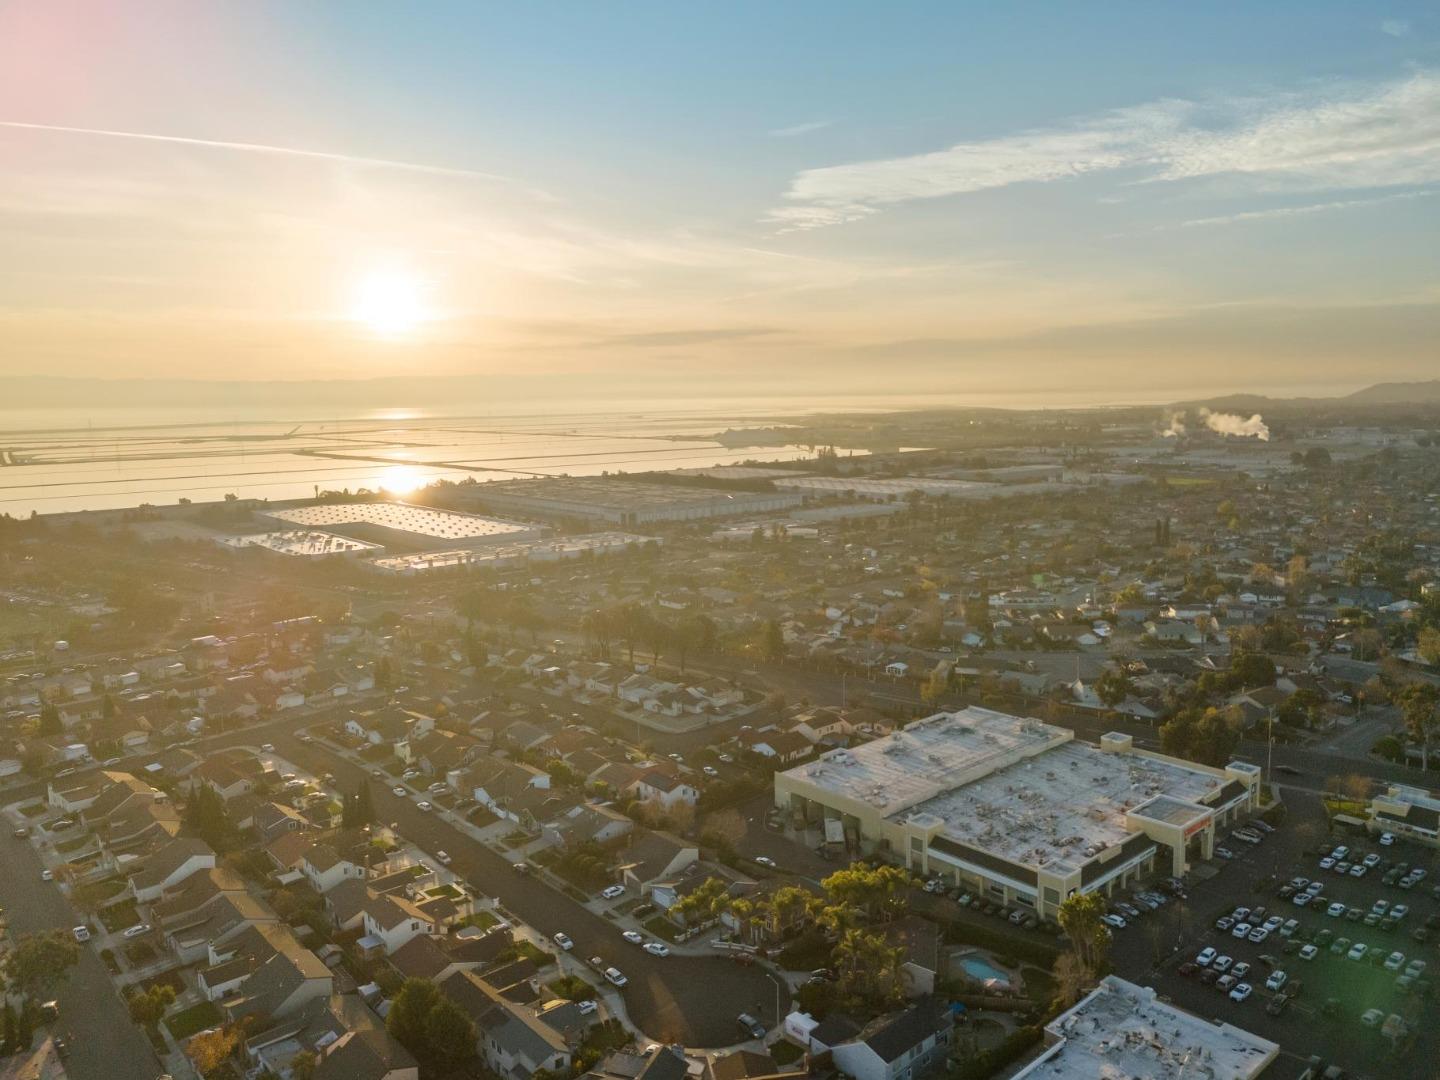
(73,845)
(120,916)
(571,988)
(481,920)
(662,928)
(192,1020)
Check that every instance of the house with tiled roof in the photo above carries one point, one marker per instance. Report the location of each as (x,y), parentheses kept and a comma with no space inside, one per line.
(392,921)
(511,1039)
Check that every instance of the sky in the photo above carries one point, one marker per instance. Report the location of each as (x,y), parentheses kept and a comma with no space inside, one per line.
(872,198)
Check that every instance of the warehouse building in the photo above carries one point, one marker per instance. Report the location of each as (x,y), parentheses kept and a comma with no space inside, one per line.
(507,556)
(405,525)
(300,544)
(1406,811)
(626,503)
(1018,810)
(1123,1030)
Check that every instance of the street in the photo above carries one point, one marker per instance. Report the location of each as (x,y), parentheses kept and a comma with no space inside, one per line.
(683,999)
(104,1043)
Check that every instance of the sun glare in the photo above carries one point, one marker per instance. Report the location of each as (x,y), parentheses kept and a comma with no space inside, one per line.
(389,302)
(401,479)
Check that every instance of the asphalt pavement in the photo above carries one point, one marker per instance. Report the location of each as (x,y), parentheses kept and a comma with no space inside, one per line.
(692,1000)
(104,1043)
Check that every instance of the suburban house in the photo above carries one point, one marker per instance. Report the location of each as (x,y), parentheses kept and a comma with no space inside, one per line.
(659,787)
(392,921)
(325,868)
(350,1042)
(901,1046)
(651,856)
(587,823)
(170,866)
(512,1039)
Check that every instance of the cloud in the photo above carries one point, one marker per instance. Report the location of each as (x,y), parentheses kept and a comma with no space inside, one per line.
(800,129)
(262,148)
(1298,211)
(1346,136)
(1395,27)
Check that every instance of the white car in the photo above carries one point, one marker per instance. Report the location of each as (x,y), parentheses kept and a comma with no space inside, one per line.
(613,891)
(137,930)
(1326,863)
(656,948)
(1372,860)
(268,747)
(585,1007)
(1358,951)
(1205,957)
(1395,961)
(1241,992)
(563,940)
(1224,853)
(46,875)
(82,933)
(1222,964)
(1258,935)
(1241,930)
(1273,923)
(443,858)
(711,771)
(398,791)
(1277,980)
(1335,910)
(1387,839)
(1115,922)
(438,788)
(765,860)
(1372,1017)
(633,936)
(422,805)
(1308,952)
(1399,911)
(614,977)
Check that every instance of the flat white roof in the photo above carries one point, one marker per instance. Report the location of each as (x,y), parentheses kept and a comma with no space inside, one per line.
(1122,1030)
(1014,787)
(402,517)
(865,485)
(525,550)
(301,542)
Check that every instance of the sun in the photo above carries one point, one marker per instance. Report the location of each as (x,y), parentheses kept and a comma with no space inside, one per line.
(389,302)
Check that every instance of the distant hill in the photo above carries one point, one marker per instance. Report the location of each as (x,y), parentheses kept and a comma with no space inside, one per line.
(1397,393)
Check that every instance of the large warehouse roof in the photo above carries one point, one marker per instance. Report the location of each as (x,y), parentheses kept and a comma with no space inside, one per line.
(403,517)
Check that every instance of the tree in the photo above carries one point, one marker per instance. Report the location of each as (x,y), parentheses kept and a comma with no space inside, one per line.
(870,971)
(773,641)
(406,1020)
(1418,702)
(1317,457)
(878,891)
(936,685)
(205,817)
(449,1034)
(1428,645)
(384,673)
(1071,980)
(1080,918)
(302,1065)
(148,1006)
(50,723)
(1113,686)
(209,1050)
(39,963)
(724,828)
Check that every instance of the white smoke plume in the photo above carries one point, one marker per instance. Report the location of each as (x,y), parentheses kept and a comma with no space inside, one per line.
(1230,424)
(1176,426)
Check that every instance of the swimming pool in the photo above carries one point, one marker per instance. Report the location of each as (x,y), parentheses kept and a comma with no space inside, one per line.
(977,967)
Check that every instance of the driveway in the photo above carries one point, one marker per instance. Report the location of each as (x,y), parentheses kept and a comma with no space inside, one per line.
(104,1043)
(684,999)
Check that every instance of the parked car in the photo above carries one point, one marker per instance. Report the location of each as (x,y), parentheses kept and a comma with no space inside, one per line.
(398,791)
(563,940)
(765,860)
(46,875)
(1205,957)
(1241,992)
(586,1007)
(1308,952)
(613,976)
(82,933)
(1277,980)
(612,892)
(633,936)
(657,948)
(750,1026)
(443,858)
(137,930)
(1115,922)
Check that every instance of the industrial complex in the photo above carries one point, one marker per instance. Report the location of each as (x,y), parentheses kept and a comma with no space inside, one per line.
(1018,809)
(405,522)
(623,502)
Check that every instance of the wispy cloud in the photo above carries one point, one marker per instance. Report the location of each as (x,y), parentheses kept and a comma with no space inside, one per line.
(800,129)
(1395,27)
(1338,137)
(1298,211)
(263,148)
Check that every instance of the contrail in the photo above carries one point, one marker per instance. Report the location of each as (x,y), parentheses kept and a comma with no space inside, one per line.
(261,148)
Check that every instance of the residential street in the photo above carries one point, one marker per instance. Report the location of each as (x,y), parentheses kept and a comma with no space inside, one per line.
(104,1043)
(685,999)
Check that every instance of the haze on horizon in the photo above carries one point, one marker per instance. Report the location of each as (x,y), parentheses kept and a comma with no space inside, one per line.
(667,199)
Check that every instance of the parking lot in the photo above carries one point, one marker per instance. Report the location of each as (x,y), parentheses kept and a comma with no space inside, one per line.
(1327,993)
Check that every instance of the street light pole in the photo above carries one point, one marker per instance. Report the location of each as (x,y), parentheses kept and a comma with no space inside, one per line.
(775,979)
